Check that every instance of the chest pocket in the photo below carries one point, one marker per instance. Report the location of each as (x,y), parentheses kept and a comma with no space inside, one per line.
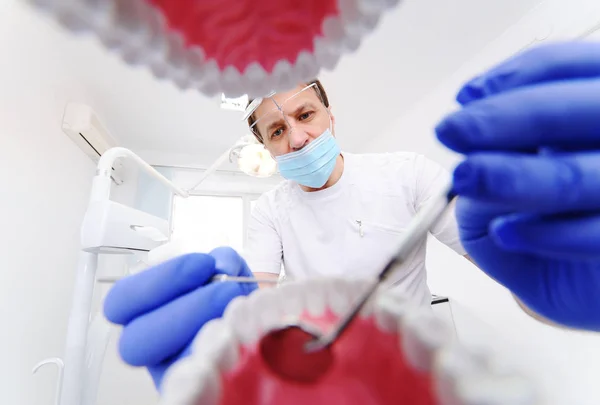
(370,245)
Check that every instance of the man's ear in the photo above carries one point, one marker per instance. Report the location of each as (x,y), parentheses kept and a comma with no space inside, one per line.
(332,117)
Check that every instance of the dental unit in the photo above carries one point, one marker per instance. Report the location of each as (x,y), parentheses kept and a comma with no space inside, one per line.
(108,228)
(115,229)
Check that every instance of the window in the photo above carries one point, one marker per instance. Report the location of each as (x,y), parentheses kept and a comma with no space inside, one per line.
(209,221)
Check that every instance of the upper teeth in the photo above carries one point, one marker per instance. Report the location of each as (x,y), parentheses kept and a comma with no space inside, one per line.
(462,376)
(137,31)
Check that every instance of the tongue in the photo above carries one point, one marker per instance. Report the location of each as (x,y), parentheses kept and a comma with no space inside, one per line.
(367,368)
(239,32)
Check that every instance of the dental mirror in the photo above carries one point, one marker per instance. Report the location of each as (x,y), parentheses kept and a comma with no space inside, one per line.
(283,351)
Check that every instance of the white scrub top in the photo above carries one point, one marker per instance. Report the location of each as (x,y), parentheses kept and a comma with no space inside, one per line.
(352,228)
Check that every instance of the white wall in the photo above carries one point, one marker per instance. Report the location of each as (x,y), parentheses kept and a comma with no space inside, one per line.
(565,364)
(45,183)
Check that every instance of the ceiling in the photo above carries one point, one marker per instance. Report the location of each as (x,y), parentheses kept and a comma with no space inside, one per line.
(414,49)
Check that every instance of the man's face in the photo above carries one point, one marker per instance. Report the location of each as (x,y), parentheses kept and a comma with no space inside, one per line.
(307,118)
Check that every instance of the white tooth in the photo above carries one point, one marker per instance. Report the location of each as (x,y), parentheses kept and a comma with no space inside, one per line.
(189,383)
(496,390)
(349,11)
(160,68)
(157,49)
(241,316)
(210,84)
(178,64)
(423,334)
(357,289)
(158,57)
(283,78)
(369,22)
(353,20)
(267,305)
(131,25)
(255,80)
(306,66)
(338,300)
(231,82)
(133,55)
(376,6)
(451,364)
(216,344)
(389,310)
(333,29)
(47,6)
(351,42)
(454,361)
(74,15)
(196,63)
(129,28)
(326,53)
(295,298)
(316,298)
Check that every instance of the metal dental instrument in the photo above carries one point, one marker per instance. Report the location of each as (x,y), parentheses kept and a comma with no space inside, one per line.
(239,279)
(215,278)
(416,232)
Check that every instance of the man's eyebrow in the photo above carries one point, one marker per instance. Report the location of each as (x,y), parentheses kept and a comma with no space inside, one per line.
(275,124)
(304,106)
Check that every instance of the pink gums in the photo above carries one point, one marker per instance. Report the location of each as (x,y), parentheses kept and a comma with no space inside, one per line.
(240,32)
(369,368)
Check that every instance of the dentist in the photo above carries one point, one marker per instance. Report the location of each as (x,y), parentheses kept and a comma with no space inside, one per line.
(337,213)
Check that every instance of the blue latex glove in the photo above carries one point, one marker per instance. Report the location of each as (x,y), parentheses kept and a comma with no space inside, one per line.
(163,308)
(529,206)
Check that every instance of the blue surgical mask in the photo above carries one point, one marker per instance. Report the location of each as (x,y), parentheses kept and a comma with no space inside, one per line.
(312,165)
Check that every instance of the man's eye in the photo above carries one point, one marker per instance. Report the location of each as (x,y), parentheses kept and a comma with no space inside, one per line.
(305,116)
(278,132)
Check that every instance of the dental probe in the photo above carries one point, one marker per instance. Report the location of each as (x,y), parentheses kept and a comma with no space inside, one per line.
(215,278)
(417,230)
(240,279)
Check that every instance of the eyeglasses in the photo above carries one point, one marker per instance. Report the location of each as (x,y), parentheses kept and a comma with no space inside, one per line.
(300,110)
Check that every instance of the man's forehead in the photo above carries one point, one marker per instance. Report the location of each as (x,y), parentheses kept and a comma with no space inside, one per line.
(300,94)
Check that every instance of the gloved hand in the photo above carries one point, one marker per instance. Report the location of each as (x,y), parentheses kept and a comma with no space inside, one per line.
(163,308)
(529,187)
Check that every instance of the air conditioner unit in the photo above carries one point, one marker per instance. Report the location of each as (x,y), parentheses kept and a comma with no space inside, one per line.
(234,104)
(83,126)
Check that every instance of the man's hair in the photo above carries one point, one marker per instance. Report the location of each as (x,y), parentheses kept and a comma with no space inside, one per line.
(318,88)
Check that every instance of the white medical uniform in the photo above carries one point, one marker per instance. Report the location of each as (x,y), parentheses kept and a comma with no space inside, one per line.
(351,228)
